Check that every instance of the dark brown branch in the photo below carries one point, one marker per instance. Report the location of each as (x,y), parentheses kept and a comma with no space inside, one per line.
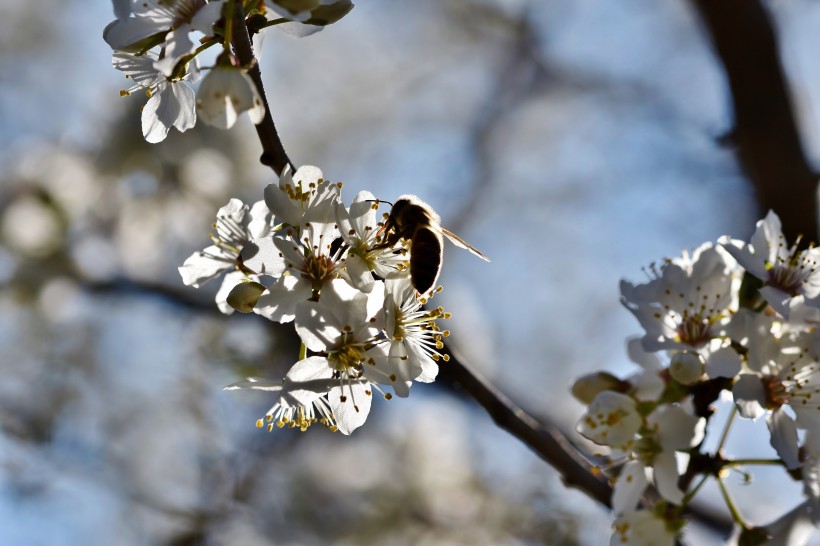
(547,441)
(273,154)
(550,443)
(765,131)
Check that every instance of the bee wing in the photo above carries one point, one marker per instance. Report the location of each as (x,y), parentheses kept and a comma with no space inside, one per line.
(458,241)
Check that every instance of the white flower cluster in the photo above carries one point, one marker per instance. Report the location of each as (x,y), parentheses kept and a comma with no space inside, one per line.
(736,316)
(302,256)
(153,46)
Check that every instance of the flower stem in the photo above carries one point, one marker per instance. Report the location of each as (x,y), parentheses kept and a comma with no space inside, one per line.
(694,491)
(205,45)
(740,462)
(273,155)
(230,6)
(731,505)
(272,23)
(180,69)
(303,351)
(726,428)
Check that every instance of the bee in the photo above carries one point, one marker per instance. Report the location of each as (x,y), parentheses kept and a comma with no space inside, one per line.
(415,221)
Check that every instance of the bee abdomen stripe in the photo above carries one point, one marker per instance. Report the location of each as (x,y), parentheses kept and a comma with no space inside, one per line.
(425,258)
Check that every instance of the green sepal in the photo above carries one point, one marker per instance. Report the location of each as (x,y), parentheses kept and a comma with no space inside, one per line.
(326,15)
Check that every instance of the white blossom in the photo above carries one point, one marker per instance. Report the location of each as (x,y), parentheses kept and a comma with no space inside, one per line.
(642,528)
(308,264)
(175,18)
(668,429)
(171,103)
(236,225)
(303,193)
(287,411)
(225,93)
(612,419)
(789,275)
(686,306)
(360,228)
(790,376)
(341,328)
(646,385)
(413,338)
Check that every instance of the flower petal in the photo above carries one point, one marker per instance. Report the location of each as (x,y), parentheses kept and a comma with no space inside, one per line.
(629,487)
(350,405)
(750,396)
(784,438)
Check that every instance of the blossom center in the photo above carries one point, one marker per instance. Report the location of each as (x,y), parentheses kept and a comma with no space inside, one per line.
(776,391)
(319,267)
(694,330)
(790,276)
(348,360)
(295,193)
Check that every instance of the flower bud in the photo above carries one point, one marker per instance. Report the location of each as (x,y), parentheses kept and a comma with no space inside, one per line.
(686,367)
(587,387)
(244,296)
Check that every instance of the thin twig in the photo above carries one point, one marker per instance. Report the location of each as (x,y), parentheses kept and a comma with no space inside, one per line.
(273,154)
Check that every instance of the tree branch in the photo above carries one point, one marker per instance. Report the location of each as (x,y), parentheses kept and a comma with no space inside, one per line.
(545,440)
(273,154)
(766,131)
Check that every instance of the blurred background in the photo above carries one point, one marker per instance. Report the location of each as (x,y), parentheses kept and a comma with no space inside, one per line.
(574,142)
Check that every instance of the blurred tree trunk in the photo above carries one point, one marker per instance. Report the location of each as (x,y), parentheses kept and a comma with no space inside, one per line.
(765,129)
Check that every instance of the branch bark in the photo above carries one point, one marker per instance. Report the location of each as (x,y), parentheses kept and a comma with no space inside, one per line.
(273,154)
(545,440)
(765,130)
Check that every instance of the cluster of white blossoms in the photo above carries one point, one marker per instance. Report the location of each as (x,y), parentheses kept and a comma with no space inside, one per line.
(734,317)
(154,46)
(302,256)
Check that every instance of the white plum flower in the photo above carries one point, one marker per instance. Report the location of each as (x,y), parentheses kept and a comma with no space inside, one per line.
(686,306)
(170,22)
(303,193)
(171,102)
(413,338)
(790,276)
(236,225)
(287,411)
(612,419)
(360,228)
(643,528)
(307,265)
(225,93)
(341,328)
(668,429)
(789,376)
